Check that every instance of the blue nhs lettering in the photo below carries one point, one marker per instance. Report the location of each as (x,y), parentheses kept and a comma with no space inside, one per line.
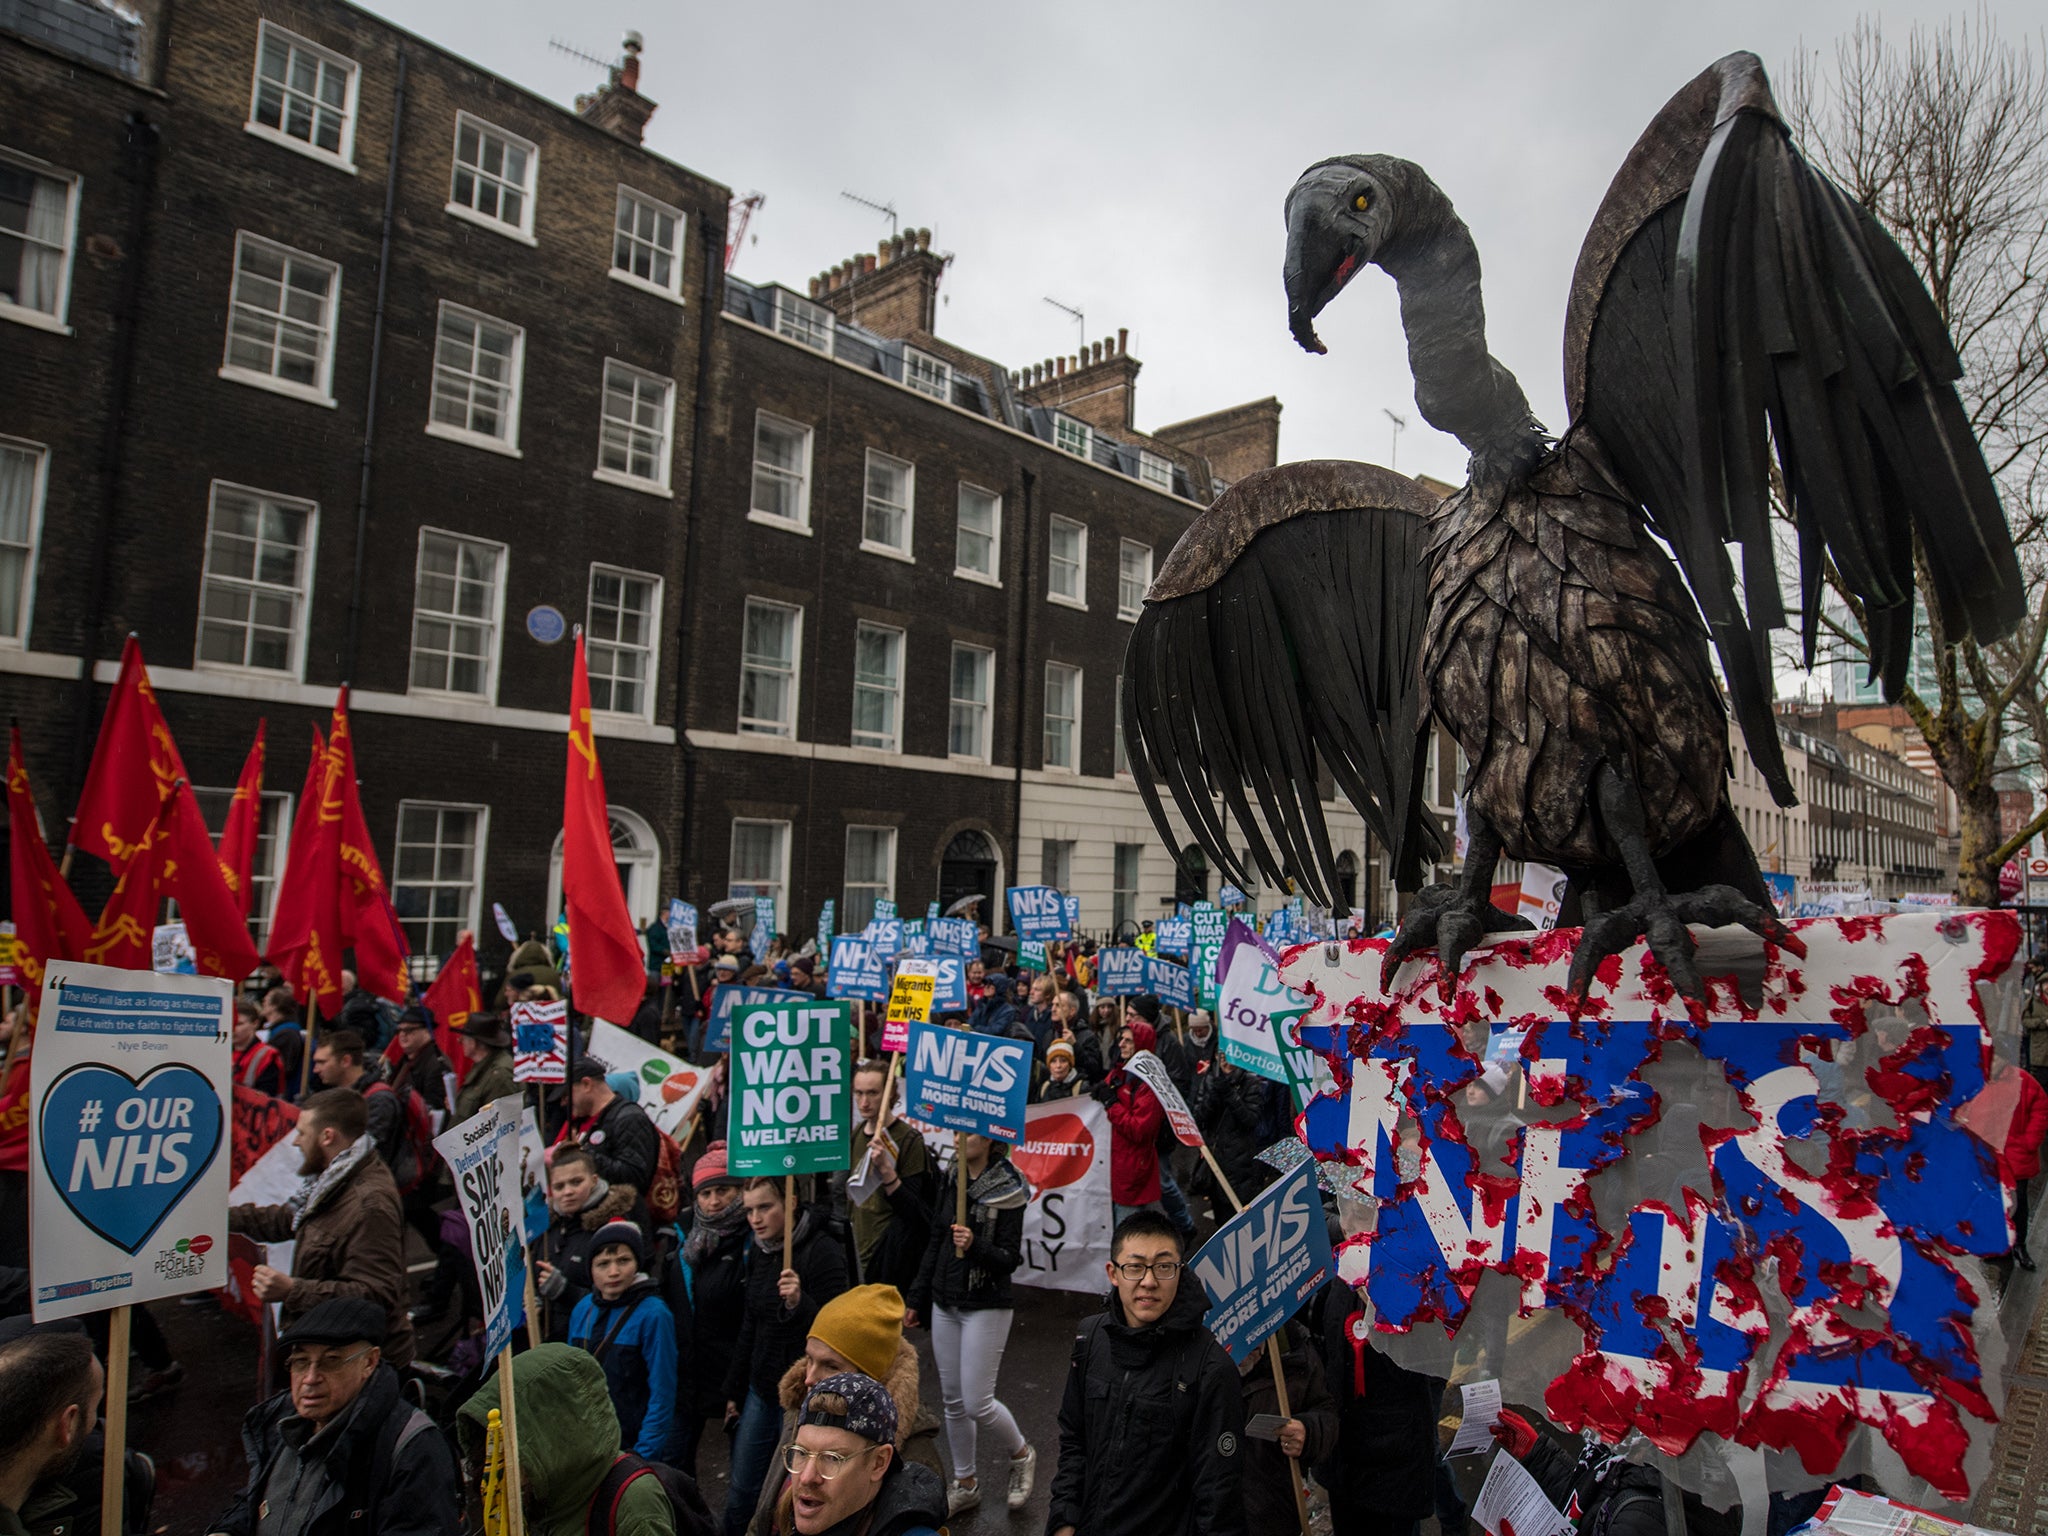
(157,1133)
(960,1058)
(1240,1255)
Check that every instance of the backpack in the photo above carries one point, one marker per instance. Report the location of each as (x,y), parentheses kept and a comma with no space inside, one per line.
(687,1509)
(664,1193)
(416,1164)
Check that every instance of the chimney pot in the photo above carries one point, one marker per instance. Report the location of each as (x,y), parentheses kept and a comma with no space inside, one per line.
(1123,339)
(816,284)
(1095,353)
(629,71)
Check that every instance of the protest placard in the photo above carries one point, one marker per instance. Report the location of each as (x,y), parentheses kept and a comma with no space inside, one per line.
(170,951)
(1151,1071)
(1206,926)
(1072,907)
(962,1081)
(827,920)
(1031,956)
(1265,1262)
(483,1155)
(1231,896)
(11,971)
(1170,983)
(949,984)
(1248,993)
(540,1042)
(731,996)
(1120,972)
(504,922)
(128,1173)
(682,926)
(1064,1157)
(859,970)
(911,938)
(1039,913)
(885,906)
(886,934)
(1174,935)
(954,936)
(910,1001)
(792,1069)
(670,1089)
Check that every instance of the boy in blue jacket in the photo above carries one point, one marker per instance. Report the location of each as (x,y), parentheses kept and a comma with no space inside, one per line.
(629,1328)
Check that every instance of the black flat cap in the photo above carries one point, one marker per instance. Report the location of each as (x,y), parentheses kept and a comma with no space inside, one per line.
(339,1320)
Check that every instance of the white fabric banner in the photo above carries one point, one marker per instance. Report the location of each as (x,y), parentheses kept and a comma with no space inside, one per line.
(1065,1158)
(670,1087)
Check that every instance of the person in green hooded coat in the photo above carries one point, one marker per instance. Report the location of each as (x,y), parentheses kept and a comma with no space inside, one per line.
(568,1440)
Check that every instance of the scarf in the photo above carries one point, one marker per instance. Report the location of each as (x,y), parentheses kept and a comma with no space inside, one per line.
(709,1233)
(313,1193)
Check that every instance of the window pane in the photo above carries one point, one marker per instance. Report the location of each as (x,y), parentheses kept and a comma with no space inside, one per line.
(281,313)
(434,873)
(252,591)
(759,850)
(493,173)
(455,606)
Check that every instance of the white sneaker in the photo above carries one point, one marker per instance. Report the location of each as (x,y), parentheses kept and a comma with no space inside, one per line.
(960,1497)
(1023,1471)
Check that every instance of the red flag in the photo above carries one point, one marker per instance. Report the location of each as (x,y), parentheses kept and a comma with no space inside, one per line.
(134,764)
(49,924)
(457,992)
(305,929)
(610,975)
(122,936)
(368,921)
(188,870)
(244,826)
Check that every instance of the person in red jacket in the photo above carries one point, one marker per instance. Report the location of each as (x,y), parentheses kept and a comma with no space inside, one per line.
(2019,1160)
(1135,1117)
(257,1064)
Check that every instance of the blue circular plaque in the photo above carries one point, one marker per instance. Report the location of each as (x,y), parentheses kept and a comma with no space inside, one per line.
(546,624)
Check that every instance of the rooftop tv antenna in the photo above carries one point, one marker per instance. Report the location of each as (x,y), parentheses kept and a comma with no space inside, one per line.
(1394,437)
(582,53)
(887,210)
(1080,320)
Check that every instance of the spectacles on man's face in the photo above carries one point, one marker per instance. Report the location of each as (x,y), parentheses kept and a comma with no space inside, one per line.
(830,1463)
(325,1365)
(1134,1270)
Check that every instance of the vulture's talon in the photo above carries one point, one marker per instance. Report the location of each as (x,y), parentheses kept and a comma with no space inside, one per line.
(1451,920)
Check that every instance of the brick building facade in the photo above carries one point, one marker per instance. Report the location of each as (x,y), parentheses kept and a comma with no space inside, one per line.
(334,357)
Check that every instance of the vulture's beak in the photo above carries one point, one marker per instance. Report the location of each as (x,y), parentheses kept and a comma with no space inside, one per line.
(1322,253)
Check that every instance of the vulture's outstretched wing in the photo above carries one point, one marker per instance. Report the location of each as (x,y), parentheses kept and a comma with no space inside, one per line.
(1730,299)
(1284,637)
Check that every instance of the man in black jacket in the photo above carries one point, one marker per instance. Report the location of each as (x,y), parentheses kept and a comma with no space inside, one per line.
(341,1450)
(891,1226)
(782,1303)
(615,1131)
(1152,1423)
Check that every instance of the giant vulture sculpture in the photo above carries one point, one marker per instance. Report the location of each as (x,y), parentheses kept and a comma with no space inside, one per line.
(1731,308)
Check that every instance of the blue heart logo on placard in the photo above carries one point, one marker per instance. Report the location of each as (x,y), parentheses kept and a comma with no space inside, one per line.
(121,1152)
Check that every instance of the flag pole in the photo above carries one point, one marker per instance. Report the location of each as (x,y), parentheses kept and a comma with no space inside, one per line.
(113,1466)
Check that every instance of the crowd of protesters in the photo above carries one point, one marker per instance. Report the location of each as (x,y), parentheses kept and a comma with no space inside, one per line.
(720,1306)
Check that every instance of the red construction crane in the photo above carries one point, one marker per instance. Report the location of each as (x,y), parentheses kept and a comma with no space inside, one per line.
(741,211)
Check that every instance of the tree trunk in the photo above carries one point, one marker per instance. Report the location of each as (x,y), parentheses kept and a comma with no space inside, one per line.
(1977,877)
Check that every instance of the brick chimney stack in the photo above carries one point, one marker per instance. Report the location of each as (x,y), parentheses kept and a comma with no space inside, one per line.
(894,292)
(1097,385)
(620,108)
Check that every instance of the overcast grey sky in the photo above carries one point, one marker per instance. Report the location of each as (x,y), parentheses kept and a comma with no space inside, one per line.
(1130,158)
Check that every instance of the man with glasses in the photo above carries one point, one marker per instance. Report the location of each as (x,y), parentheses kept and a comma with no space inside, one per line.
(1152,1424)
(844,1473)
(340,1450)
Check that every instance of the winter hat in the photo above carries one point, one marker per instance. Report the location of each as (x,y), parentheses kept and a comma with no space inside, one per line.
(1060,1048)
(339,1320)
(726,963)
(711,1168)
(858,1404)
(588,1066)
(864,1327)
(621,1231)
(1146,1007)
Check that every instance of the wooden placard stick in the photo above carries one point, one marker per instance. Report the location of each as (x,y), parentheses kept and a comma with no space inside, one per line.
(515,1509)
(114,1465)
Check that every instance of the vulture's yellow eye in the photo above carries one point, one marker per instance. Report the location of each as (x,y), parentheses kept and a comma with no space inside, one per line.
(1363,202)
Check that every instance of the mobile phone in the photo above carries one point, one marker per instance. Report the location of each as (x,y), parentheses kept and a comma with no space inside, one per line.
(1263,1426)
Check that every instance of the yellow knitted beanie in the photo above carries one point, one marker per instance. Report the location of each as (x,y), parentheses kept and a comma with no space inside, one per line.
(864,1326)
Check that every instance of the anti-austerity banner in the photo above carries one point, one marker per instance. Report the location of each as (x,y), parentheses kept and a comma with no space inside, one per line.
(128,1167)
(792,1072)
(1120,972)
(859,970)
(953,936)
(483,1154)
(1206,927)
(670,1088)
(1265,1262)
(961,1081)
(540,1042)
(1170,983)
(1064,1157)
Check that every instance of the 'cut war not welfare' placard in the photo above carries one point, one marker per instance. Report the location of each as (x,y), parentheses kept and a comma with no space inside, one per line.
(792,1069)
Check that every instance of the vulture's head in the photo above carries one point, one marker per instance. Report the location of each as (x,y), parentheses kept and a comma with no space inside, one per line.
(1342,215)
